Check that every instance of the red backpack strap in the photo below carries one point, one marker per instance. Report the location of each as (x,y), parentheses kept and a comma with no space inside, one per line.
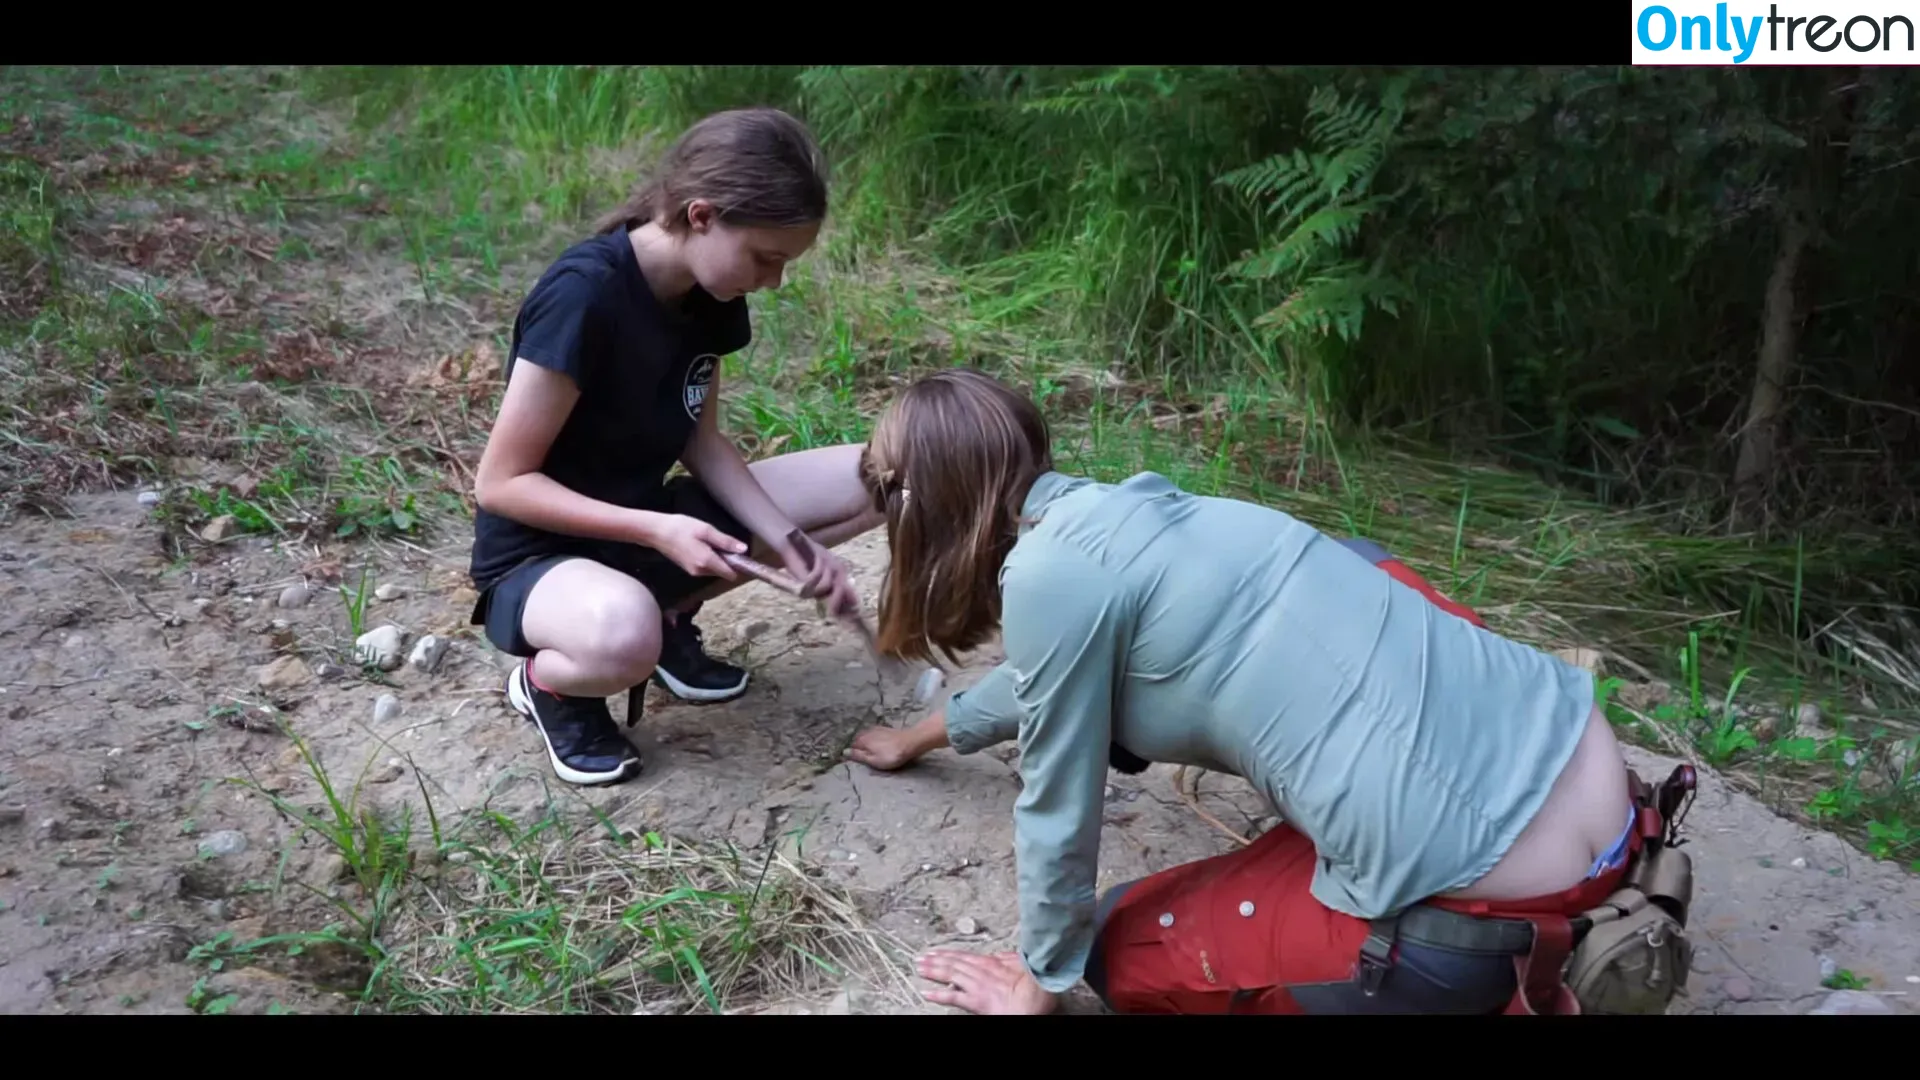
(1405,575)
(1541,991)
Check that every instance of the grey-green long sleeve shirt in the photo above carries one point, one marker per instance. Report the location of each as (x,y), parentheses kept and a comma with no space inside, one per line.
(1412,746)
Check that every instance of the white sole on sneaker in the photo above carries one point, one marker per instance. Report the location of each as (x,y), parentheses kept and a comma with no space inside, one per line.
(523,704)
(693,693)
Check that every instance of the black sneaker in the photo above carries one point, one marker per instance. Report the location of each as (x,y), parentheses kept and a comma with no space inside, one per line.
(583,744)
(688,673)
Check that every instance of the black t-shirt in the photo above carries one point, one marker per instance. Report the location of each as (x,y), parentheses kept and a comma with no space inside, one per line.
(643,369)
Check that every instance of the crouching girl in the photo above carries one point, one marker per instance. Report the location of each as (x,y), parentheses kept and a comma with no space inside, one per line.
(1432,776)
(590,563)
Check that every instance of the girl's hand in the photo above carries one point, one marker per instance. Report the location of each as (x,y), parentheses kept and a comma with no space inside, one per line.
(996,985)
(692,544)
(884,748)
(822,574)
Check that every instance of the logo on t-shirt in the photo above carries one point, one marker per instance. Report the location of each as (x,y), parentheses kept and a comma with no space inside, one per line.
(699,378)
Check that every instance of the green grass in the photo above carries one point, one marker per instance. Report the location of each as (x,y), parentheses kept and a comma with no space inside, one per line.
(486,914)
(426,202)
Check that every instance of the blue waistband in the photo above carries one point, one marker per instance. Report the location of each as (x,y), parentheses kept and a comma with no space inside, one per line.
(1616,854)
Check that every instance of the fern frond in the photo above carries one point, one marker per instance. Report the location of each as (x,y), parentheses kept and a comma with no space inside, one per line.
(1335,302)
(1324,231)
(1264,178)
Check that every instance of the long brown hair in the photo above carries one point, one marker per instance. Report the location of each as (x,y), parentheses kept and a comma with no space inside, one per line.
(950,463)
(758,167)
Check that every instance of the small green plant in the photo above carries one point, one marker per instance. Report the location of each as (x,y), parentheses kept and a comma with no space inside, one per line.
(367,513)
(203,1001)
(1716,731)
(376,852)
(1842,802)
(1891,839)
(247,514)
(356,603)
(1845,980)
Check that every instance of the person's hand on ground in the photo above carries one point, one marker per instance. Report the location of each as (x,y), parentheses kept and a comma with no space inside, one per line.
(885,748)
(996,985)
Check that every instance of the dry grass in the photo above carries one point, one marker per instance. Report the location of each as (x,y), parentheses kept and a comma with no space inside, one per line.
(565,913)
(642,924)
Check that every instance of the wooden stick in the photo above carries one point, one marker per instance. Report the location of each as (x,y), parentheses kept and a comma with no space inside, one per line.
(779,579)
(783,581)
(1193,803)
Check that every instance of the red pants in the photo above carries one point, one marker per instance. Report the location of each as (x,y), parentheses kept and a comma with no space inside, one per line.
(1233,931)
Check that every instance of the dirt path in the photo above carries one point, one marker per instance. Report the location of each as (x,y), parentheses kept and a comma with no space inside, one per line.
(126,697)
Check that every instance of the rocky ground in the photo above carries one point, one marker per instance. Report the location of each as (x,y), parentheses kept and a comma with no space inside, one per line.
(138,685)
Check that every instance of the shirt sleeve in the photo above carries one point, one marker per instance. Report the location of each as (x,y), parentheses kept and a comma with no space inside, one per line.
(559,326)
(1067,630)
(984,714)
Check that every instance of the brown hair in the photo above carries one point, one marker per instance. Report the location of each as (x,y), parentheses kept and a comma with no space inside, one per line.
(758,167)
(950,463)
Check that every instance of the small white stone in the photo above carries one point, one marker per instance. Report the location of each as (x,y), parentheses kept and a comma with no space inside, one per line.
(389,591)
(223,843)
(966,925)
(380,647)
(386,708)
(149,498)
(427,652)
(1799,864)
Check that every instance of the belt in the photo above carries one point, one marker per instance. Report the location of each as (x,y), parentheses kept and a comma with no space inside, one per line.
(1454,931)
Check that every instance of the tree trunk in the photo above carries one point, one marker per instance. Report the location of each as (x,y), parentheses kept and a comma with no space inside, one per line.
(1810,199)
(1779,341)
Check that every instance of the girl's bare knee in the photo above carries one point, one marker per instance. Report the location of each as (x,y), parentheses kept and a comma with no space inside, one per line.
(624,638)
(605,622)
